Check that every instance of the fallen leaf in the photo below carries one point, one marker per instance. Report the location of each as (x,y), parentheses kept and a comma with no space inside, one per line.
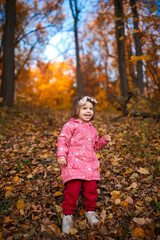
(20,204)
(129,200)
(115,194)
(124,204)
(128,171)
(138,232)
(83,224)
(82,212)
(8,194)
(8,219)
(9,188)
(58,193)
(133,185)
(73,231)
(29,176)
(143,170)
(140,221)
(15,179)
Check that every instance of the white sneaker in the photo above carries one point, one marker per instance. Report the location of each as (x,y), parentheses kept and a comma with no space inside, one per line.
(66,223)
(92,218)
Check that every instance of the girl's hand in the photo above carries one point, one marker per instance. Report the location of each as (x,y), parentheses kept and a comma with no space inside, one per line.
(107,137)
(62,161)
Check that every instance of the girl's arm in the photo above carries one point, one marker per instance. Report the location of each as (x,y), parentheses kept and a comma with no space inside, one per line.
(100,143)
(64,141)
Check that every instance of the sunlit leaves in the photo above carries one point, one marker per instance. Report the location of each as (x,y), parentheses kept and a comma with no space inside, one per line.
(53,88)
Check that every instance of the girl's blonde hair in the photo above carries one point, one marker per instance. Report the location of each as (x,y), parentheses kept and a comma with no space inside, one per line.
(76,106)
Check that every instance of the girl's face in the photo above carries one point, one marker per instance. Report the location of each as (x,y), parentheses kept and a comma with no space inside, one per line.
(86,112)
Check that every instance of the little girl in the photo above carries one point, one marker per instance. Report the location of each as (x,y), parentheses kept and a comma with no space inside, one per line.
(76,144)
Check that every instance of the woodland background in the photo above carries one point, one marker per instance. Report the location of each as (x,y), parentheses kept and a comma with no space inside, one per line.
(113,55)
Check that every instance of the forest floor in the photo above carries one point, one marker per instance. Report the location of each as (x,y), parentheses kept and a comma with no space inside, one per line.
(31,189)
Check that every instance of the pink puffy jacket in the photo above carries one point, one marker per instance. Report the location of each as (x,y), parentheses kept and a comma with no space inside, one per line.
(77,142)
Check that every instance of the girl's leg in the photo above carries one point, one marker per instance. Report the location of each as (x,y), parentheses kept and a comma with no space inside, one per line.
(71,194)
(90,193)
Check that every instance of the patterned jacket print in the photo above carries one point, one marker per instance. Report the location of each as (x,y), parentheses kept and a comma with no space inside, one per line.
(77,142)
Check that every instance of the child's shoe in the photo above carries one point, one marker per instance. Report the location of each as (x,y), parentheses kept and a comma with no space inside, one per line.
(66,223)
(92,218)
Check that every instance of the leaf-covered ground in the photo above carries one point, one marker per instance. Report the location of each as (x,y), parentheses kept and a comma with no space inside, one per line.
(31,189)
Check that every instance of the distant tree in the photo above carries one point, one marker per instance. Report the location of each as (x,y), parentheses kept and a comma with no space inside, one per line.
(120,37)
(138,46)
(75,13)
(36,22)
(7,87)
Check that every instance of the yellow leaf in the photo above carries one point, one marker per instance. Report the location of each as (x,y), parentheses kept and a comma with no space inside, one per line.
(139,232)
(116,194)
(128,171)
(60,185)
(25,226)
(20,204)
(135,30)
(58,193)
(98,155)
(15,179)
(7,220)
(73,231)
(121,38)
(9,188)
(124,204)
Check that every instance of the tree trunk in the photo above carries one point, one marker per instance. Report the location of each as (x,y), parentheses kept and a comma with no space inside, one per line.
(75,17)
(121,47)
(131,66)
(7,87)
(138,46)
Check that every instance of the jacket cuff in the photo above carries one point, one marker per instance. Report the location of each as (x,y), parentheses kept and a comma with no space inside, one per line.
(105,141)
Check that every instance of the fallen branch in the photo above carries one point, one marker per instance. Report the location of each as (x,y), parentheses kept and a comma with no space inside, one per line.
(143,115)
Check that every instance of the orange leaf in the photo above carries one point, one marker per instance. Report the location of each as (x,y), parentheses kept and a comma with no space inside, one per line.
(82,212)
(7,220)
(20,204)
(139,232)
(58,193)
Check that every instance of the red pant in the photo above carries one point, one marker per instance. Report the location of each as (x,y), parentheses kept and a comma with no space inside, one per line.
(71,194)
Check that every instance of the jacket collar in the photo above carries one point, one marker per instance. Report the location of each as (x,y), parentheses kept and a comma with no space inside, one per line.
(76,120)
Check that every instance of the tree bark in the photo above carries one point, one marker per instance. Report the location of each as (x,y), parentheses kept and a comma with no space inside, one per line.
(138,46)
(7,87)
(75,17)
(121,47)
